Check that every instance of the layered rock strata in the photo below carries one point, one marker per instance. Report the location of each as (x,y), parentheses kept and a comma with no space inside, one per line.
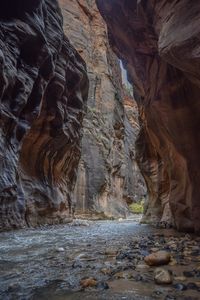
(43,92)
(108,176)
(159,42)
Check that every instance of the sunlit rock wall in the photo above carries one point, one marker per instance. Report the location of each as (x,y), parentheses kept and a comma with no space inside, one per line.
(108,176)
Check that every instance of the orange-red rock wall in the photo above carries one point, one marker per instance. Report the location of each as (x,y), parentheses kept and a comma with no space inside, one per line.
(159,42)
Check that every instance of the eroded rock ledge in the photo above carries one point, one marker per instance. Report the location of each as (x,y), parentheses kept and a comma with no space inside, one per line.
(43,87)
(159,41)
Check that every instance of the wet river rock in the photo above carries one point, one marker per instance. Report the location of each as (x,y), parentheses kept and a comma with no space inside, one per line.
(88,282)
(87,262)
(158,258)
(162,276)
(73,262)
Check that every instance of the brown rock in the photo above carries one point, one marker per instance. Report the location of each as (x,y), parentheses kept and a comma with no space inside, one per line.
(180,278)
(120,275)
(154,249)
(142,267)
(89,282)
(173,262)
(162,276)
(108,176)
(159,42)
(106,271)
(111,252)
(158,258)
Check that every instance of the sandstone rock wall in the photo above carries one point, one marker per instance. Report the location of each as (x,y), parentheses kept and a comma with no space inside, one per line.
(159,42)
(43,89)
(108,176)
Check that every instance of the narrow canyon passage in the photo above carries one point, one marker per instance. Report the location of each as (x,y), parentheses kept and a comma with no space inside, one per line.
(51,262)
(99,119)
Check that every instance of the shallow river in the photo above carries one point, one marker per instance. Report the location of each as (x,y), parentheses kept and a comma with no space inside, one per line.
(49,263)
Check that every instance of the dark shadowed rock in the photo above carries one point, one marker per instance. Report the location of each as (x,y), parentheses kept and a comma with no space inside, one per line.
(159,41)
(43,89)
(180,286)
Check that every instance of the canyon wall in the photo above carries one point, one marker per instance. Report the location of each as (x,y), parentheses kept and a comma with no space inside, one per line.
(159,43)
(43,89)
(108,176)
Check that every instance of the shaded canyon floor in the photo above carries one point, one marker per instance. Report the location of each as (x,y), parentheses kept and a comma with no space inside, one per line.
(52,262)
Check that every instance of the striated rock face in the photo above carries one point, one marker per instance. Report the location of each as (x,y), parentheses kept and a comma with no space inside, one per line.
(159,40)
(108,176)
(43,89)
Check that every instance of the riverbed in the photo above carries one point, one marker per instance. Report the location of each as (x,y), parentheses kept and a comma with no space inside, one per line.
(50,262)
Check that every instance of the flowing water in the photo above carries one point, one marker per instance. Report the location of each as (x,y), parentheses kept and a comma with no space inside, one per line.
(49,263)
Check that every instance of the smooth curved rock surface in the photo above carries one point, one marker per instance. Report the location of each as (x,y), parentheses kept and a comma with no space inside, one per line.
(43,89)
(159,41)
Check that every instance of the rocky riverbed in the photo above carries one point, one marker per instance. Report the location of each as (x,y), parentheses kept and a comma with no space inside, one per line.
(98,260)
